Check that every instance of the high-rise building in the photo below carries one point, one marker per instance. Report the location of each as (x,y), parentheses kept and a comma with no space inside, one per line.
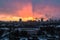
(20,20)
(42,19)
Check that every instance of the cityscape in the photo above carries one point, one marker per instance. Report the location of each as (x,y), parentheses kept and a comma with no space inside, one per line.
(29,19)
(30,30)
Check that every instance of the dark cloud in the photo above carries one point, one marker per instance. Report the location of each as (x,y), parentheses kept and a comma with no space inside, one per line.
(11,6)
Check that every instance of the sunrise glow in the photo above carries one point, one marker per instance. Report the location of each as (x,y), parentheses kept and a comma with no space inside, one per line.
(28,10)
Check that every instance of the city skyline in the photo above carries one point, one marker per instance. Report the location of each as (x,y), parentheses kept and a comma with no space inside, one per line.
(29,9)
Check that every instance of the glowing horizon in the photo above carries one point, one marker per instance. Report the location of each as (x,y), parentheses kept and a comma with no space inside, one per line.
(15,18)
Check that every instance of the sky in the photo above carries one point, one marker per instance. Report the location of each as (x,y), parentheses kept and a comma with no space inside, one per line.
(29,9)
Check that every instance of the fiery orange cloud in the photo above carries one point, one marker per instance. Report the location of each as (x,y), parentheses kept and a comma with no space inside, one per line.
(27,14)
(26,11)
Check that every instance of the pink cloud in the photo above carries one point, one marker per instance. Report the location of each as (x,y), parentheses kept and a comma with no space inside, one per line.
(51,11)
